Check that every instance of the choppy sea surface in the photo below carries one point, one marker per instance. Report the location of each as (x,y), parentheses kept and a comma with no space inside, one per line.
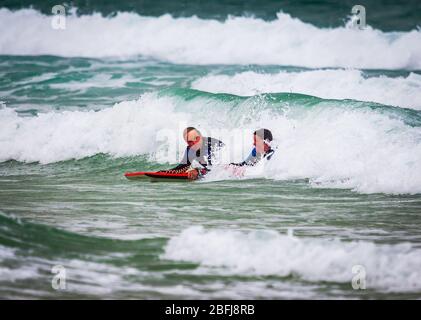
(339,201)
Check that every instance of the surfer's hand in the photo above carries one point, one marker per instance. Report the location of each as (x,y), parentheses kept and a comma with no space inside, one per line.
(192,174)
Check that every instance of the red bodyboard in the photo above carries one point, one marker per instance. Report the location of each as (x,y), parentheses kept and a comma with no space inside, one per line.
(165,175)
(156,175)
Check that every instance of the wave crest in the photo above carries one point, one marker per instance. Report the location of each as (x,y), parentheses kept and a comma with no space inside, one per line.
(237,40)
(387,267)
(345,144)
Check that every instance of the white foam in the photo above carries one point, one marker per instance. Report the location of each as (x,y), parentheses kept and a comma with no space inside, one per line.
(6,253)
(327,84)
(359,149)
(334,144)
(97,81)
(8,274)
(237,40)
(388,267)
(82,276)
(128,128)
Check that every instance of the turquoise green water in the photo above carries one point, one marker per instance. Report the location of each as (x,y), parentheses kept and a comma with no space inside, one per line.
(117,232)
(342,190)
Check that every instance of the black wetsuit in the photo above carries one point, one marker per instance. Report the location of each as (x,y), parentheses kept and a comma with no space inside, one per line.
(255,157)
(204,156)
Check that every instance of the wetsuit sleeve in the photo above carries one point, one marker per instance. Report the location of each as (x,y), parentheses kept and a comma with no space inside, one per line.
(249,161)
(212,145)
(218,144)
(178,169)
(239,164)
(269,154)
(253,158)
(184,165)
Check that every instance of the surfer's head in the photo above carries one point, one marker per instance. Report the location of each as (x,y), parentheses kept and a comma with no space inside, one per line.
(262,139)
(192,136)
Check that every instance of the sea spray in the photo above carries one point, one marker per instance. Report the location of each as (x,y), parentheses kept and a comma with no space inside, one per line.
(237,40)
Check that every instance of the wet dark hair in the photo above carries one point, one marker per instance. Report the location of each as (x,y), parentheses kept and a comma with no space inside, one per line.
(264,134)
(188,129)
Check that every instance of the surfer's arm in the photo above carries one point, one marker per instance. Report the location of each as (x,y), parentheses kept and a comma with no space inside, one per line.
(178,169)
(240,164)
(219,144)
(249,161)
(194,173)
(183,166)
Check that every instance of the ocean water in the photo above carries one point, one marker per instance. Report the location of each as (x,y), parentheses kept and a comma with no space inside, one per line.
(340,200)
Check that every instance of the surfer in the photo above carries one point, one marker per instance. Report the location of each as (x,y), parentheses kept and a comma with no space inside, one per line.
(199,154)
(262,139)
